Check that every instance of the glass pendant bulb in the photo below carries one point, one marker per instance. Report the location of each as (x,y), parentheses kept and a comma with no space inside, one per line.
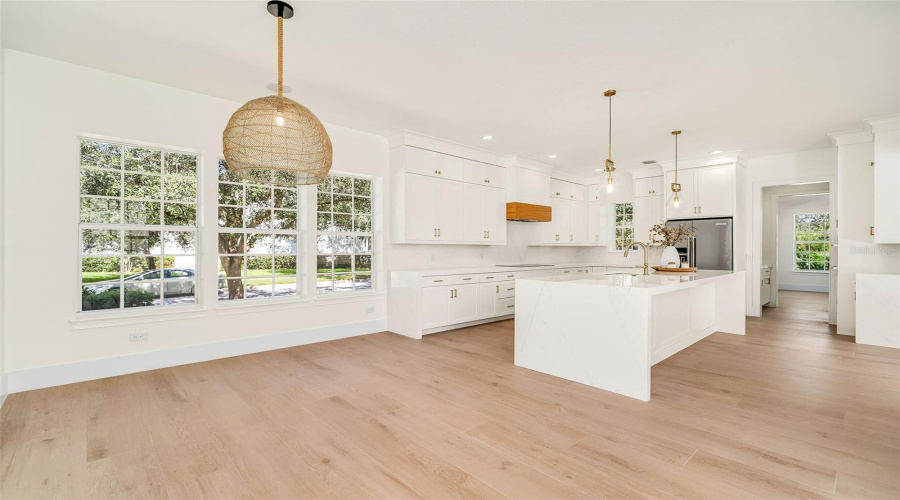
(609,185)
(675,201)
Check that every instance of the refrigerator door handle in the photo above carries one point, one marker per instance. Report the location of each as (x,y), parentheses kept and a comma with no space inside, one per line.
(692,250)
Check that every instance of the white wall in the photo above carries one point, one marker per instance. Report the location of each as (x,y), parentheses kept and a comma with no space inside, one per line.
(776,170)
(788,279)
(3,380)
(47,104)
(857,251)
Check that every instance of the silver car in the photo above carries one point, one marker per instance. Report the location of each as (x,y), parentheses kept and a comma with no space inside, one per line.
(177,281)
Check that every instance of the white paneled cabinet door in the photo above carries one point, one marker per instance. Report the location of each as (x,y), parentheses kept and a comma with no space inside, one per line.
(494,214)
(687,208)
(436,306)
(420,208)
(577,222)
(532,187)
(657,185)
(643,187)
(487,300)
(448,203)
(464,304)
(421,161)
(593,223)
(562,220)
(643,215)
(473,214)
(714,189)
(887,187)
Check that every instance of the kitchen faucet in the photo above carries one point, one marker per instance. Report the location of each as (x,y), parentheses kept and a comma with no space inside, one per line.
(645,247)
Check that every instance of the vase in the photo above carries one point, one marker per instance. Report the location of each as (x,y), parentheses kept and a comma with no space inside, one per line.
(670,254)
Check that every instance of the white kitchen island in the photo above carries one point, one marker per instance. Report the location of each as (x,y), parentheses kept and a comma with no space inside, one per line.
(607,331)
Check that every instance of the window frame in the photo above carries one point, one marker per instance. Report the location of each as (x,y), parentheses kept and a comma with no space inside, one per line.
(300,294)
(613,247)
(79,227)
(796,242)
(372,233)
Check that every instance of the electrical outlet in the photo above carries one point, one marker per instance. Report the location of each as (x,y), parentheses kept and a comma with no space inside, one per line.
(370,310)
(138,337)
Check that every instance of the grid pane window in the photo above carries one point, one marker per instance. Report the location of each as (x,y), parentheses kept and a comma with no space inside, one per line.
(138,226)
(258,238)
(812,251)
(343,234)
(624,224)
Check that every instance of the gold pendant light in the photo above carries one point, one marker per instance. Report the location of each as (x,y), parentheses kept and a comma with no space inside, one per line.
(273,139)
(610,166)
(676,187)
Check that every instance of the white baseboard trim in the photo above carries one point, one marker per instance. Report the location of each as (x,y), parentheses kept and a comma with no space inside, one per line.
(803,288)
(69,373)
(680,344)
(3,399)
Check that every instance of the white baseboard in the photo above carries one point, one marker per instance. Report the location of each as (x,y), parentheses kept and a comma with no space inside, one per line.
(49,376)
(803,288)
(680,344)
(3,399)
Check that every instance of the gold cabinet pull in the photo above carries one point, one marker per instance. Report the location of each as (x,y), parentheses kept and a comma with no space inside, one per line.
(498,288)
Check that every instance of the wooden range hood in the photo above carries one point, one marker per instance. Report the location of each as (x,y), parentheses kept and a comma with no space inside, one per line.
(527,212)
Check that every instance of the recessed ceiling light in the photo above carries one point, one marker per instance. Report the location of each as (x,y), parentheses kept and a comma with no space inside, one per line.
(715,152)
(551,156)
(487,137)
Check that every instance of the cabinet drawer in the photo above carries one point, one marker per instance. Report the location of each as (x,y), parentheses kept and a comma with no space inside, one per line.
(506,306)
(456,279)
(576,270)
(506,289)
(492,277)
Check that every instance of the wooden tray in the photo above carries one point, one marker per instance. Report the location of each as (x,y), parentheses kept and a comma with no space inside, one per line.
(673,269)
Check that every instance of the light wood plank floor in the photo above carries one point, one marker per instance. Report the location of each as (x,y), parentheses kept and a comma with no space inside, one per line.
(790,410)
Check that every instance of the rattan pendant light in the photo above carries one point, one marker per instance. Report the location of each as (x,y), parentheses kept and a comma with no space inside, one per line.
(274,139)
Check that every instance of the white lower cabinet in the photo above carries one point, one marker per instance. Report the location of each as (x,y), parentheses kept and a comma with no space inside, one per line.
(420,304)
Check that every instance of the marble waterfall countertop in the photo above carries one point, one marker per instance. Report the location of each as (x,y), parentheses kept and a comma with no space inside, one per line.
(500,269)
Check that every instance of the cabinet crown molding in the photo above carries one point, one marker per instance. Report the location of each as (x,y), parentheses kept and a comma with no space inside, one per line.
(408,138)
(883,123)
(850,137)
(651,171)
(702,162)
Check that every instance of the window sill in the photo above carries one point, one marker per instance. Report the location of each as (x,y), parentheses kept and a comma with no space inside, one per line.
(85,321)
(797,271)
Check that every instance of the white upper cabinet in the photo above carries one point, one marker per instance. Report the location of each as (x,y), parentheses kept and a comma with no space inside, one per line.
(649,186)
(566,190)
(568,225)
(715,186)
(594,193)
(705,192)
(484,214)
(484,174)
(648,211)
(577,222)
(443,198)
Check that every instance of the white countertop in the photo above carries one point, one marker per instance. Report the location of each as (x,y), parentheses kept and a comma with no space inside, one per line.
(656,282)
(502,269)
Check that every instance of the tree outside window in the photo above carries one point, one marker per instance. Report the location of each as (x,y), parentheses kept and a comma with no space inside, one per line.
(344,234)
(624,224)
(138,216)
(258,238)
(811,242)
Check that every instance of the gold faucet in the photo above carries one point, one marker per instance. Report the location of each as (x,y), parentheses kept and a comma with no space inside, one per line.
(645,247)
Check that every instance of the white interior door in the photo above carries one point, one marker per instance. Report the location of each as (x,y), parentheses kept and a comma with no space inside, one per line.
(420,208)
(448,209)
(714,186)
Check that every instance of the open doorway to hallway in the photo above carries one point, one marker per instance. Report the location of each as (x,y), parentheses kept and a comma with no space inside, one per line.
(797,257)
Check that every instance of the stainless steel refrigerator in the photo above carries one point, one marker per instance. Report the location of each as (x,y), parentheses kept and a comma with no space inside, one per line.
(711,247)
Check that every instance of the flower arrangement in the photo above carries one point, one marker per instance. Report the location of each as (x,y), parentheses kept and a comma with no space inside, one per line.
(669,236)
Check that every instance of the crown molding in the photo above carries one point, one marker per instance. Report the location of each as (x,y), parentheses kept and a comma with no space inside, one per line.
(703,162)
(529,163)
(654,170)
(883,123)
(417,140)
(850,137)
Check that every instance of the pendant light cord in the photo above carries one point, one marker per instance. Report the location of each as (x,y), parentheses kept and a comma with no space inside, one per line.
(676,158)
(280,57)
(609,151)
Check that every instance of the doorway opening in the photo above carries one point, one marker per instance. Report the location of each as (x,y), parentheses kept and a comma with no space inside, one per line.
(798,254)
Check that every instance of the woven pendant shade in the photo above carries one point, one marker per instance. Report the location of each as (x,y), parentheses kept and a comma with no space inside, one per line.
(276,140)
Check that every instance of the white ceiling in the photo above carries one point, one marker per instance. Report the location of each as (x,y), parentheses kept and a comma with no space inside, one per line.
(762,77)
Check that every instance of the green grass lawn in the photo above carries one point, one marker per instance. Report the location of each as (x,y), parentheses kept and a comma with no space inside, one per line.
(93,277)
